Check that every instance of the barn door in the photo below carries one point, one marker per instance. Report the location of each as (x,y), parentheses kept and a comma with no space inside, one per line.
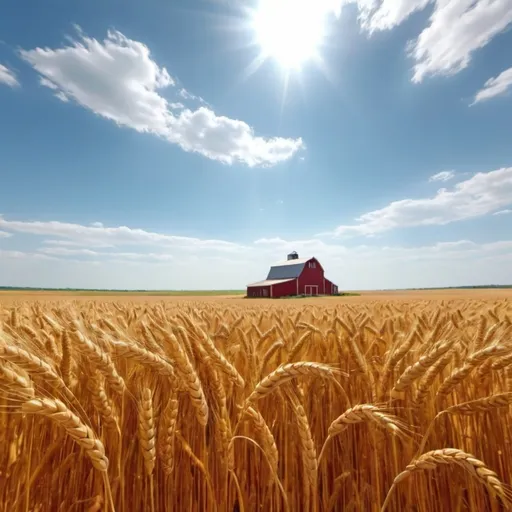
(311,289)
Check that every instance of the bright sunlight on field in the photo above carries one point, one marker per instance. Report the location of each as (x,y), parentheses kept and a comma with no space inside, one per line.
(292,406)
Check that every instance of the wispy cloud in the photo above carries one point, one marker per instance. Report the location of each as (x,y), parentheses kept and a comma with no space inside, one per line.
(117,79)
(503,212)
(4,234)
(442,176)
(456,29)
(495,86)
(101,236)
(132,258)
(482,194)
(8,77)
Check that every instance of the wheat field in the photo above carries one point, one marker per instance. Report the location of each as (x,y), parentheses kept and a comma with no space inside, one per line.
(205,406)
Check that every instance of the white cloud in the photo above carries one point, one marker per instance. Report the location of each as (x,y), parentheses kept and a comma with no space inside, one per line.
(70,243)
(4,254)
(503,212)
(186,95)
(117,79)
(479,195)
(4,234)
(62,97)
(387,14)
(457,29)
(442,176)
(495,86)
(132,256)
(8,77)
(93,236)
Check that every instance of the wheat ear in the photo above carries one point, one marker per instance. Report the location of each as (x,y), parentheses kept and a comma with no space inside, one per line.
(220,360)
(291,371)
(34,366)
(468,462)
(364,413)
(168,429)
(418,369)
(100,399)
(15,383)
(277,345)
(266,437)
(57,411)
(473,361)
(101,360)
(469,408)
(144,356)
(67,356)
(429,377)
(147,432)
(191,380)
(297,347)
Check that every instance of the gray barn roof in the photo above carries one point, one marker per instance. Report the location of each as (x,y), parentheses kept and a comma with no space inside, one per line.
(289,269)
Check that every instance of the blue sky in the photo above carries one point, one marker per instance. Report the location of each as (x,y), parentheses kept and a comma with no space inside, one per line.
(190,144)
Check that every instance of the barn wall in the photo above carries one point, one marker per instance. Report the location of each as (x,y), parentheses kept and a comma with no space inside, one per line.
(284,289)
(258,291)
(312,276)
(330,287)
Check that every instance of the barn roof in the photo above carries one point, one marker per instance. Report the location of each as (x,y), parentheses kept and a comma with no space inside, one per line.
(269,282)
(289,269)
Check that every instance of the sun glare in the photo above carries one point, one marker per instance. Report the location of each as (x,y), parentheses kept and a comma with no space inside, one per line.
(290,31)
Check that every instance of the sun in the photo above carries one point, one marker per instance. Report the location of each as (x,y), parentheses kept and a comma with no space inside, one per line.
(290,31)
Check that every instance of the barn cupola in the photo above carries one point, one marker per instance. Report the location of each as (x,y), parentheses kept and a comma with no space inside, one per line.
(293,256)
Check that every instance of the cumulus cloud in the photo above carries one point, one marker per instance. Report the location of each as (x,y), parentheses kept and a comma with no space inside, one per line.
(482,194)
(442,176)
(8,77)
(495,86)
(118,79)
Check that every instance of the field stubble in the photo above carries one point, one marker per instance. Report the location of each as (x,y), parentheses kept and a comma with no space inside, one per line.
(223,406)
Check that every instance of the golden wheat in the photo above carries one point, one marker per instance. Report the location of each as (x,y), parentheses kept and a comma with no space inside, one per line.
(252,406)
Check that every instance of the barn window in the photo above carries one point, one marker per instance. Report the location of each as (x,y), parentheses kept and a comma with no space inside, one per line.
(265,292)
(312,264)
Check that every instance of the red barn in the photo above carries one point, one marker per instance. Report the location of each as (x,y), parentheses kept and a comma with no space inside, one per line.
(295,276)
